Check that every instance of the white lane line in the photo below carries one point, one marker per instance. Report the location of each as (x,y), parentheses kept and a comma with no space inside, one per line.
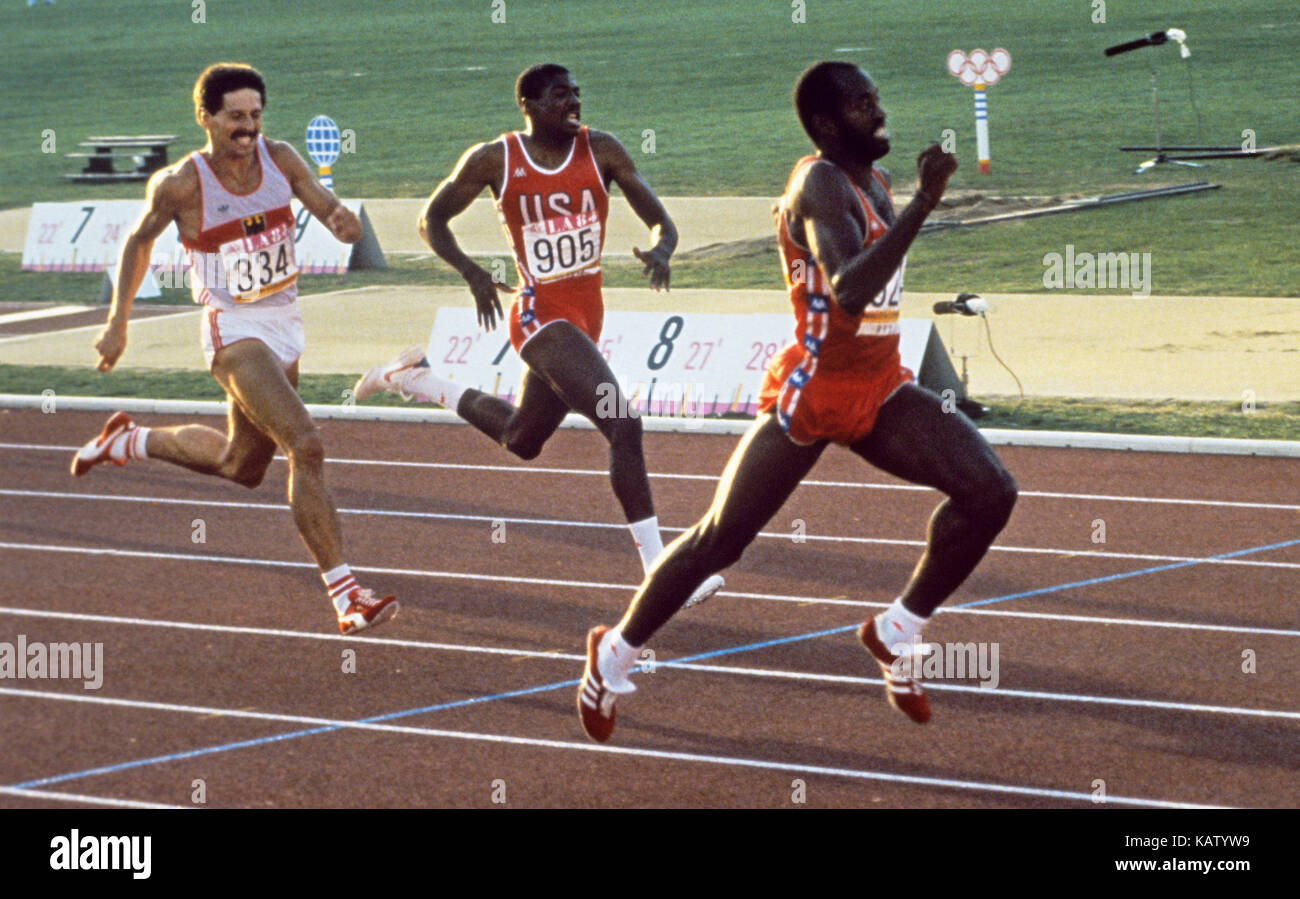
(1001,692)
(858,485)
(605,749)
(628,588)
(49,796)
(742,671)
(559,522)
(29,315)
(424,644)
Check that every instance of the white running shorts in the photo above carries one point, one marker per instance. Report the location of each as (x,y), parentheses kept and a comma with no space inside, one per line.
(279,327)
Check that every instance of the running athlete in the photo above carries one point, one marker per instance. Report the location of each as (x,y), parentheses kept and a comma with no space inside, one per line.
(550,183)
(230,203)
(841,381)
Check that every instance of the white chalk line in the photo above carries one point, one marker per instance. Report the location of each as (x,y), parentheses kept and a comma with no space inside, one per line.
(604,749)
(743,671)
(628,588)
(48,795)
(857,485)
(559,522)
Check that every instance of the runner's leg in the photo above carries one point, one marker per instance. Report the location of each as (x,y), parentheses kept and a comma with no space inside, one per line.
(241,455)
(580,378)
(915,439)
(763,471)
(256,380)
(524,428)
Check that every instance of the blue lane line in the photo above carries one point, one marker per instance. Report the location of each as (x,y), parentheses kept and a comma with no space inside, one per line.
(990,601)
(261,741)
(748,647)
(1127,574)
(175,756)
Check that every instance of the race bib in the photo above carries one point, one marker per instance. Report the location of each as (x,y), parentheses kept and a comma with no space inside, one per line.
(563,246)
(258,265)
(880,318)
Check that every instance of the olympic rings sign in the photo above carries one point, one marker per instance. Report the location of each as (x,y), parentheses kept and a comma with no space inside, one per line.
(979,67)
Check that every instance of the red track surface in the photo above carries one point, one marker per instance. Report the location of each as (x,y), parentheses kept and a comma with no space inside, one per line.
(1061,718)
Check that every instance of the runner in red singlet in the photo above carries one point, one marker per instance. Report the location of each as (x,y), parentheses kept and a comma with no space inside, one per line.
(550,183)
(230,203)
(841,381)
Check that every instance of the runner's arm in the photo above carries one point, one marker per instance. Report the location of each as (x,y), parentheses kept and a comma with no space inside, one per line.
(617,166)
(478,168)
(481,166)
(319,199)
(162,203)
(834,237)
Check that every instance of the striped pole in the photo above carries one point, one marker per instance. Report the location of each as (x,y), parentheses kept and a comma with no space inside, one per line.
(982,127)
(980,70)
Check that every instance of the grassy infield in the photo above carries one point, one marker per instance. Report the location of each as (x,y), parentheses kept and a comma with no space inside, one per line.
(712,80)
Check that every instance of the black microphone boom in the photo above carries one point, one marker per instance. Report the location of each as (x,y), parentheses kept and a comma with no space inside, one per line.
(1151,40)
(961,305)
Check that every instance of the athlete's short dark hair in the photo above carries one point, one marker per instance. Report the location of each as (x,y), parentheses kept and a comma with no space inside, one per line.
(533,80)
(818,92)
(221,78)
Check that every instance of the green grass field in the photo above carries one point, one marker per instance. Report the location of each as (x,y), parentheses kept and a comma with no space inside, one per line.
(418,82)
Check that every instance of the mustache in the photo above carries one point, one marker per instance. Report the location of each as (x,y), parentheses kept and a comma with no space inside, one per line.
(244,134)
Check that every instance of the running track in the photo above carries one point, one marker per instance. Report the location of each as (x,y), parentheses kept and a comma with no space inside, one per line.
(1118,662)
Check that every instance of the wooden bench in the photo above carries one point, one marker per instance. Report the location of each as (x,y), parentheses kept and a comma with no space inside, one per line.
(147,152)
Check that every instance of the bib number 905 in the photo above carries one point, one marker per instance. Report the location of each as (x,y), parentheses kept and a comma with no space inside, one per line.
(555,251)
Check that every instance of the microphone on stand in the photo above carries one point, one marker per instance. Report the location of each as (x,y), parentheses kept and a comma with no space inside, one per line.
(1151,40)
(965,304)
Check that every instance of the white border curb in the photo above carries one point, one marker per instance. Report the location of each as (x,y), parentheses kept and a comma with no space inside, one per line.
(997,436)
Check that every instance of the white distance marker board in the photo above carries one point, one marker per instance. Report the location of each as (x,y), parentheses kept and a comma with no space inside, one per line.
(669,364)
(87,236)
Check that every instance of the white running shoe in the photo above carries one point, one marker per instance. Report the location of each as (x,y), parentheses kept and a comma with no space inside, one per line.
(389,377)
(711,585)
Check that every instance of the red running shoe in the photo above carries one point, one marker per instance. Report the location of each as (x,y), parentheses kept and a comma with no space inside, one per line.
(96,451)
(595,700)
(903,693)
(365,610)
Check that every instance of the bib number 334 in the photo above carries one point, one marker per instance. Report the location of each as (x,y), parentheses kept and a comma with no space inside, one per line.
(259,264)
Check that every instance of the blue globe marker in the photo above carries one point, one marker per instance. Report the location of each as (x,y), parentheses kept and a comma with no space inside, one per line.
(323,145)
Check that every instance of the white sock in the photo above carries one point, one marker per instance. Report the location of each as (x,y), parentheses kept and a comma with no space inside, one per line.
(898,625)
(616,659)
(648,542)
(423,382)
(339,582)
(136,449)
(129,445)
